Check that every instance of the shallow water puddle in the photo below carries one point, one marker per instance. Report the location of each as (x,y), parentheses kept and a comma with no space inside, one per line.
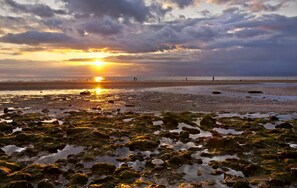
(61,154)
(120,153)
(17,130)
(169,143)
(227,131)
(128,119)
(293,146)
(6,120)
(156,123)
(52,121)
(196,173)
(248,115)
(235,173)
(9,149)
(181,126)
(269,126)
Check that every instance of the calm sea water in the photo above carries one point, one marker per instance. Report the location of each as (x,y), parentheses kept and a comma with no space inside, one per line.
(154,78)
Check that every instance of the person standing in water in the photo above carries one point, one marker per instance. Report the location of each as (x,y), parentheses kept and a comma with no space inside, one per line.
(213,78)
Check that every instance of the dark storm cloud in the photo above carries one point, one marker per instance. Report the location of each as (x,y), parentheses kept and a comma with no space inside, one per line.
(104,26)
(41,10)
(36,38)
(115,8)
(183,3)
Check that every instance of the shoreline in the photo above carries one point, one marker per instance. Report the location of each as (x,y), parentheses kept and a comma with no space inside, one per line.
(125,84)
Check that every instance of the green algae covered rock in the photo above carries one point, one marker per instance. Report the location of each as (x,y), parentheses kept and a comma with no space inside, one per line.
(20,176)
(128,176)
(280,179)
(79,179)
(4,171)
(143,143)
(5,127)
(45,183)
(103,168)
(76,130)
(207,122)
(170,122)
(19,184)
(10,165)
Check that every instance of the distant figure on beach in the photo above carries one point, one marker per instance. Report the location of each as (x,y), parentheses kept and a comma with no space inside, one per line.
(213,78)
(186,78)
(135,79)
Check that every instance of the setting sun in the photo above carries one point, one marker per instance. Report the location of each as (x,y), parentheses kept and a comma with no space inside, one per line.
(98,79)
(99,63)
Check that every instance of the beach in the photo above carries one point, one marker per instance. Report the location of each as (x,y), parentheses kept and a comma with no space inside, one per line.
(148,134)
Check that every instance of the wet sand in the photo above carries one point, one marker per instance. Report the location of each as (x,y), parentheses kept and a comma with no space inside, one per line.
(154,96)
(125,84)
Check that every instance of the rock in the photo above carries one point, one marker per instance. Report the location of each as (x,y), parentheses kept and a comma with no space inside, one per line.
(274,118)
(111,101)
(20,176)
(129,176)
(230,180)
(280,179)
(19,184)
(45,111)
(5,127)
(157,162)
(130,105)
(294,172)
(241,184)
(100,135)
(86,92)
(184,135)
(208,122)
(180,159)
(191,131)
(4,171)
(45,183)
(72,131)
(103,168)
(284,126)
(169,122)
(223,144)
(79,178)
(52,169)
(12,166)
(216,92)
(255,92)
(250,169)
(142,144)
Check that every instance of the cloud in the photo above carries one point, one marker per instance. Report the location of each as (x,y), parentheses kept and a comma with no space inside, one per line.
(103,26)
(36,38)
(40,10)
(253,5)
(183,3)
(127,9)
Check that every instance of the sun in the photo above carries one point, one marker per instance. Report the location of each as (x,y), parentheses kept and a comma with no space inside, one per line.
(99,63)
(98,79)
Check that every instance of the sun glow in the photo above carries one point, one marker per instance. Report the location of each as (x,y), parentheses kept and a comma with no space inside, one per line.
(98,79)
(98,91)
(99,63)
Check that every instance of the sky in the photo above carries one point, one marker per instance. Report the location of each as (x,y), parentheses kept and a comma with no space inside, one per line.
(82,38)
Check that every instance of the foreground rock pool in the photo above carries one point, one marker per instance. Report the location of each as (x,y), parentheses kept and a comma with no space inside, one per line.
(87,149)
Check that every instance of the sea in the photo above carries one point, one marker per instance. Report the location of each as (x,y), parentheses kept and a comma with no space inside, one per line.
(146,78)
